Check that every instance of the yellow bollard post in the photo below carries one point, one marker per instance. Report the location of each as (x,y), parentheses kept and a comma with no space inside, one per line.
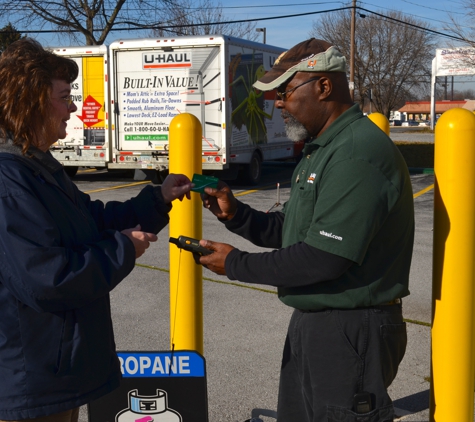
(186,277)
(381,121)
(453,292)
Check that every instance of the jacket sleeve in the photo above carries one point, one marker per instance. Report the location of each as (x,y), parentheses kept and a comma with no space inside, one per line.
(147,209)
(52,256)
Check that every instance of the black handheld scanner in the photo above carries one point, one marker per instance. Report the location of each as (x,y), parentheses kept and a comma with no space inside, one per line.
(190,244)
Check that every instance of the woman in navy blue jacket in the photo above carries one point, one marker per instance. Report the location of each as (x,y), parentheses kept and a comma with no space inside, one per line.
(60,253)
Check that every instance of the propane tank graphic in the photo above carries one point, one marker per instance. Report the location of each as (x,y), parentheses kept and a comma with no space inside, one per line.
(148,409)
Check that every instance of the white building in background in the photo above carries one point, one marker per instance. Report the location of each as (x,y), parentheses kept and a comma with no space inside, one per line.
(397,115)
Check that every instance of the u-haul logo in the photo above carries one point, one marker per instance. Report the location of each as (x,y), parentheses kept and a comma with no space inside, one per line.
(166,60)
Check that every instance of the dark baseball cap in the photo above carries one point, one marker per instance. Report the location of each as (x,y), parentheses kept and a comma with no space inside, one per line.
(308,56)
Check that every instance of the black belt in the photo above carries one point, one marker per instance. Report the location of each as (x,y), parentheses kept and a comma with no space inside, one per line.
(397,301)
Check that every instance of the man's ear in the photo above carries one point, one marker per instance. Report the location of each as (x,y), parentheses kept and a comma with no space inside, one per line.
(325,87)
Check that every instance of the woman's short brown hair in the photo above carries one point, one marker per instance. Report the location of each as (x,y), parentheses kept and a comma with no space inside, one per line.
(26,74)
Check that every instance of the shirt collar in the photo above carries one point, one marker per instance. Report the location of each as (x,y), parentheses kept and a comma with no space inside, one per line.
(341,122)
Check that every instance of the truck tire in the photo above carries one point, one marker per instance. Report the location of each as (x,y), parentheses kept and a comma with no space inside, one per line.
(251,173)
(71,170)
(160,176)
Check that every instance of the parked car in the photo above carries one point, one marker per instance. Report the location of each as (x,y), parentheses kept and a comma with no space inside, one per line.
(395,122)
(410,123)
(424,123)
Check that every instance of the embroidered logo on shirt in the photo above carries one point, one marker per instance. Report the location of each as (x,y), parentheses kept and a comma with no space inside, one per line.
(311,178)
(331,235)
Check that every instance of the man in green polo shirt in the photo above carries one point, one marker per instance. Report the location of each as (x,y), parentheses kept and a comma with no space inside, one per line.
(343,245)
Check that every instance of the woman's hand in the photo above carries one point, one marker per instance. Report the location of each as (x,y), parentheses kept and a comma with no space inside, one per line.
(176,186)
(140,239)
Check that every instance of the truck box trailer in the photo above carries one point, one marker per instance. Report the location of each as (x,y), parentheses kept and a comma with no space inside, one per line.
(209,76)
(87,142)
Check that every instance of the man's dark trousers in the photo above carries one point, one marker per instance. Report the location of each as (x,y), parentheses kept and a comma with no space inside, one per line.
(331,355)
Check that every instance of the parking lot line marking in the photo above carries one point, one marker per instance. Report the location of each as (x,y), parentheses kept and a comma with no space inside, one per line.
(117,187)
(148,181)
(252,287)
(423,191)
(247,192)
(230,283)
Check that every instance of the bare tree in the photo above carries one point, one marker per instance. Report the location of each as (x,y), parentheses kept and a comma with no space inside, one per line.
(463,28)
(392,59)
(467,94)
(93,20)
(205,17)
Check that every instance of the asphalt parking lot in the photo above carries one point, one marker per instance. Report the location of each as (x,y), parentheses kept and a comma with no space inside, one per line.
(245,326)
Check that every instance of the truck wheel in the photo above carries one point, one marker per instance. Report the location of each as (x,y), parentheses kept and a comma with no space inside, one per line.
(251,173)
(71,170)
(160,176)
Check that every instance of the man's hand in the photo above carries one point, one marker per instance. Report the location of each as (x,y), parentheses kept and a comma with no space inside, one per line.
(221,201)
(215,261)
(140,239)
(176,186)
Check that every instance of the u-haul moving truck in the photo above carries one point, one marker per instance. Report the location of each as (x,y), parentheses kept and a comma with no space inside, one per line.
(87,140)
(209,76)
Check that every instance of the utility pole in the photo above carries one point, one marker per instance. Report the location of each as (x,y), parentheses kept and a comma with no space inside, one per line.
(263,30)
(352,51)
(452,90)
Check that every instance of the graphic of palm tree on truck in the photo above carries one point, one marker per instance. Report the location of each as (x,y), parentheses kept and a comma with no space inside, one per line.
(248,104)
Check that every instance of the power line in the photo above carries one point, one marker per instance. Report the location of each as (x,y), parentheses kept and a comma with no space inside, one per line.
(412,14)
(168,27)
(433,8)
(26,7)
(413,25)
(268,5)
(46,31)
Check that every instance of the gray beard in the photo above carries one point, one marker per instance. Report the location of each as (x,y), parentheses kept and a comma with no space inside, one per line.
(295,130)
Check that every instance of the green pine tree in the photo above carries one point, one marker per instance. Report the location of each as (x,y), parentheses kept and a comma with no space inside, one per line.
(8,35)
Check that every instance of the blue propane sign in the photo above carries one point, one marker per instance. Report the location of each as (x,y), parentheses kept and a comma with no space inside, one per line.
(156,387)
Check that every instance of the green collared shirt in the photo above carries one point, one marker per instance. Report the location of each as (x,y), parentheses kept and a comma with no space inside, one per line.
(351,195)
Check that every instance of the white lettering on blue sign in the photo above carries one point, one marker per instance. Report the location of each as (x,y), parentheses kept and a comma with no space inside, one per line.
(181,364)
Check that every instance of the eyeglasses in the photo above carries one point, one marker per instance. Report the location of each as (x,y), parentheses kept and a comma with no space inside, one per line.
(284,95)
(67,98)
